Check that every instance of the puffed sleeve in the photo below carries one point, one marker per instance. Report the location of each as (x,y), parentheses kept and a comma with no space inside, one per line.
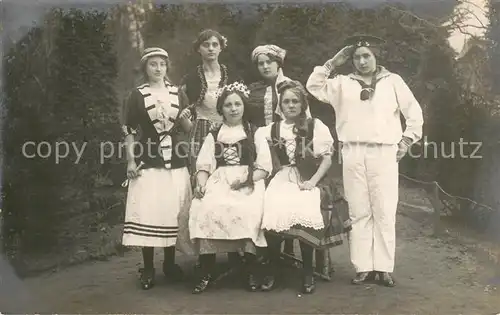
(322,88)
(206,158)
(322,139)
(263,160)
(130,114)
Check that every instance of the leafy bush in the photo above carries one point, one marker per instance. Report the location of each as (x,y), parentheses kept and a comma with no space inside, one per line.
(59,88)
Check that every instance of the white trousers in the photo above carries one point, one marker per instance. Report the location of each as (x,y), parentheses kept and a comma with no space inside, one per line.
(370,176)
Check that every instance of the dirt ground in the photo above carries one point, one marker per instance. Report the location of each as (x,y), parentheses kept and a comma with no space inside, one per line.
(434,276)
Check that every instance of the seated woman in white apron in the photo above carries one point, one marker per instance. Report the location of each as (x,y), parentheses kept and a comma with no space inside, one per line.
(263,101)
(299,201)
(159,184)
(226,214)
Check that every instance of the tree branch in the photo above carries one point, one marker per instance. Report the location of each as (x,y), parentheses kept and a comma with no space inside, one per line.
(467,11)
(408,13)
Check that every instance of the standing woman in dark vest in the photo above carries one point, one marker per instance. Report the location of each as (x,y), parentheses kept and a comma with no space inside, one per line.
(226,214)
(200,86)
(300,199)
(159,184)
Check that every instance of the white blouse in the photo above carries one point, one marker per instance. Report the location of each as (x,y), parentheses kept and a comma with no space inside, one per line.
(208,108)
(231,134)
(163,110)
(322,139)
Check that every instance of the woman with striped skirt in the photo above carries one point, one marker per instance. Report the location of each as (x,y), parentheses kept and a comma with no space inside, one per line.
(159,183)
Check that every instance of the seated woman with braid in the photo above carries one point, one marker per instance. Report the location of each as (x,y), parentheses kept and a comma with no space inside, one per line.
(299,201)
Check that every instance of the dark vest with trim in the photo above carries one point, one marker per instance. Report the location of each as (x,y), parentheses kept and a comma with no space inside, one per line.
(242,147)
(150,147)
(256,104)
(304,149)
(196,83)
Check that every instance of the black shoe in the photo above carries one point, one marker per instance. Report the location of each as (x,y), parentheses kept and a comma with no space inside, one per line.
(252,284)
(268,283)
(147,278)
(173,272)
(363,277)
(386,279)
(308,284)
(203,284)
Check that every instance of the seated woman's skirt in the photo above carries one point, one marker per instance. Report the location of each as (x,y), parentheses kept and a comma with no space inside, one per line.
(312,216)
(227,220)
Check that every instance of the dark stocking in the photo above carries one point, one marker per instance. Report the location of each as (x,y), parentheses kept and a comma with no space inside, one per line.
(207,262)
(148,257)
(169,255)
(307,258)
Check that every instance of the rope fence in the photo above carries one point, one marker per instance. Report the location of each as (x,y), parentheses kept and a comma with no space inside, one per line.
(442,200)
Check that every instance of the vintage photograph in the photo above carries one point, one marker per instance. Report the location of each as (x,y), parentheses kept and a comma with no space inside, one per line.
(232,157)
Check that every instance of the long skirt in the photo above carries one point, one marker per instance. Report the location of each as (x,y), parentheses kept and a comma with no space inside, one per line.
(302,214)
(227,220)
(154,201)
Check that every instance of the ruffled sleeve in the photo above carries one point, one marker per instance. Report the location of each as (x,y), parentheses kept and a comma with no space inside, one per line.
(263,160)
(206,158)
(322,139)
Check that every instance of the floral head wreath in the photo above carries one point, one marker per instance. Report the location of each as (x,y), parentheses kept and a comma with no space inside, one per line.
(236,86)
(224,41)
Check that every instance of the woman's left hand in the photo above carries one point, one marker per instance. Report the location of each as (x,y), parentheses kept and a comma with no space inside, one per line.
(185,114)
(237,185)
(307,185)
(403,147)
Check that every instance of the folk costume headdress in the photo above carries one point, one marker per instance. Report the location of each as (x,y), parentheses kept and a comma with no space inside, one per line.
(235,86)
(273,50)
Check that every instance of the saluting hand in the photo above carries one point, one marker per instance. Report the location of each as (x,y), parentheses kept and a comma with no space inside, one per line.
(340,58)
